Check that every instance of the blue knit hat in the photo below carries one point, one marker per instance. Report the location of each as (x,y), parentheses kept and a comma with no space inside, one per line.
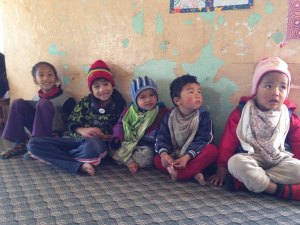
(139,84)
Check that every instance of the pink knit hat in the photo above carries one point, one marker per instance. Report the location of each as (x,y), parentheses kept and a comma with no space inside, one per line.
(267,65)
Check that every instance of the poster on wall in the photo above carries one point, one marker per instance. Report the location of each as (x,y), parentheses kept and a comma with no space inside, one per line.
(190,6)
(293,22)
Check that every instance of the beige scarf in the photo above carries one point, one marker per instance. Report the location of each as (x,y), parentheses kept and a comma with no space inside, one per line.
(264,132)
(182,130)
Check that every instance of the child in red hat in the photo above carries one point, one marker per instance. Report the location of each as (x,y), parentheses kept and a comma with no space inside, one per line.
(260,146)
(90,126)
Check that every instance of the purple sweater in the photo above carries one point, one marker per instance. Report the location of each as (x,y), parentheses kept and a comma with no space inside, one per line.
(150,133)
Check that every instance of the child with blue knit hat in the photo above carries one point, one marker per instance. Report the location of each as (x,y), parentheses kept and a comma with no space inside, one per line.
(134,135)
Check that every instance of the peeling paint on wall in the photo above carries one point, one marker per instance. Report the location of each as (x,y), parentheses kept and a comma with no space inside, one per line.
(221,20)
(53,50)
(175,52)
(164,46)
(269,8)
(129,33)
(254,19)
(134,4)
(138,22)
(159,24)
(243,46)
(125,43)
(208,16)
(188,22)
(277,37)
(85,69)
(81,84)
(206,66)
(66,80)
(216,94)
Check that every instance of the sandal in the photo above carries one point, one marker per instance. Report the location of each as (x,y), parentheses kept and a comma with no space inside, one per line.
(17,149)
(28,156)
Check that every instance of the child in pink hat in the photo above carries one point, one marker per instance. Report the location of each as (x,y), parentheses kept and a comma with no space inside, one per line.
(260,147)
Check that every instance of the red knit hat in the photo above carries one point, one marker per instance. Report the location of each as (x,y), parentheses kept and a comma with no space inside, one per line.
(99,69)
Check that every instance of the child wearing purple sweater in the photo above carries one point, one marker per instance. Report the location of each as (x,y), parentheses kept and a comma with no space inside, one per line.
(134,135)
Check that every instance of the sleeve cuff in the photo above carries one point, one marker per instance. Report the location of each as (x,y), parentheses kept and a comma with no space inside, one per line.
(192,153)
(72,127)
(162,150)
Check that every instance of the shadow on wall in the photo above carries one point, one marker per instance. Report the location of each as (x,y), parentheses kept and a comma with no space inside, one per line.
(219,113)
(122,79)
(164,91)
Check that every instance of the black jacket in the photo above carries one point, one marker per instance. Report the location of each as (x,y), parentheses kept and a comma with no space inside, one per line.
(3,79)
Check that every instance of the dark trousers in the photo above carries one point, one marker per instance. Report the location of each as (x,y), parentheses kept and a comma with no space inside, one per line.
(67,153)
(37,117)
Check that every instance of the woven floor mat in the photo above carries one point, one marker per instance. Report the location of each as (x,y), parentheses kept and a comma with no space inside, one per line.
(33,192)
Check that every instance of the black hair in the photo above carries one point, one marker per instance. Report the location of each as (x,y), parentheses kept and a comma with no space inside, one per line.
(37,65)
(177,85)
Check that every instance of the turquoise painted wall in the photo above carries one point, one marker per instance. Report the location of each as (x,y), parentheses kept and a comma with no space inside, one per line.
(138,38)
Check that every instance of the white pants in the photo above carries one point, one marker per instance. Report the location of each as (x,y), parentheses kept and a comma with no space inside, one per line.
(253,171)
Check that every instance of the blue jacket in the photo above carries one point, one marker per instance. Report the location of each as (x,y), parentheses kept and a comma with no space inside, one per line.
(203,136)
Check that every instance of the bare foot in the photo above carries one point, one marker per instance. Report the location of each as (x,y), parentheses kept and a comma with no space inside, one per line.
(173,172)
(133,167)
(88,168)
(200,179)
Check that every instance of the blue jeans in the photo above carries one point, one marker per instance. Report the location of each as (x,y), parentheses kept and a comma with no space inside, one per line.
(67,153)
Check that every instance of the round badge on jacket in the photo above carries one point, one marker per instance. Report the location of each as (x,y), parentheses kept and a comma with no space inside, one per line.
(101,111)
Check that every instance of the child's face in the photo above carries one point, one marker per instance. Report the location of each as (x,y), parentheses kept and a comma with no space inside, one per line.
(272,91)
(102,89)
(45,78)
(147,99)
(190,98)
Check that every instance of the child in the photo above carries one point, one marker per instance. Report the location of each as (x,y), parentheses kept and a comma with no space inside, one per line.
(184,139)
(257,131)
(90,126)
(134,135)
(44,116)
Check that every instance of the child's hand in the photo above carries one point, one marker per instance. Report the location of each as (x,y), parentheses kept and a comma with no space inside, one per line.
(182,162)
(219,177)
(105,137)
(166,160)
(89,132)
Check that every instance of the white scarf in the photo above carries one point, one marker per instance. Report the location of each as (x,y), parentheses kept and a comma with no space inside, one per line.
(182,130)
(264,132)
